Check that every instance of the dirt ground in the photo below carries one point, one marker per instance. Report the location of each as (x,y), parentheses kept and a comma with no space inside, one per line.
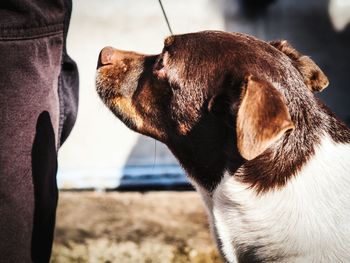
(132,227)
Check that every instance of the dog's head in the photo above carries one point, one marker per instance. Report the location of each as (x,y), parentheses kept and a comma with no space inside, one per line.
(210,88)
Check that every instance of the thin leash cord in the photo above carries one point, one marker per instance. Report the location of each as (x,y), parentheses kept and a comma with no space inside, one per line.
(171,32)
(155,154)
(165,16)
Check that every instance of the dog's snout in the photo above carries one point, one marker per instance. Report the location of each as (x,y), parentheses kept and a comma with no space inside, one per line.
(107,56)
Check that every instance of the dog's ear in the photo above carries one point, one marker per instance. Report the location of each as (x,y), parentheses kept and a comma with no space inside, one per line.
(313,76)
(262,117)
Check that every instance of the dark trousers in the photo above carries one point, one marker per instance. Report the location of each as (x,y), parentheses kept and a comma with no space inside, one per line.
(38,106)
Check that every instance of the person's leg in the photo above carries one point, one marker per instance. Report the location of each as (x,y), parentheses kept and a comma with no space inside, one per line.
(38,103)
(29,110)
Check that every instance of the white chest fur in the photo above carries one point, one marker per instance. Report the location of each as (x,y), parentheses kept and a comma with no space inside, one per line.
(306,221)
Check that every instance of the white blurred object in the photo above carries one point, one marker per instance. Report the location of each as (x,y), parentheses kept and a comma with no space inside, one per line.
(339,12)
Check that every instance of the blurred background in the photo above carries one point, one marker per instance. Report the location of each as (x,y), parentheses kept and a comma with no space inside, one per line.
(133,223)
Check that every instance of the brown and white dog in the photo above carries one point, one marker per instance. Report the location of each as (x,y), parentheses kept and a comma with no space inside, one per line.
(271,162)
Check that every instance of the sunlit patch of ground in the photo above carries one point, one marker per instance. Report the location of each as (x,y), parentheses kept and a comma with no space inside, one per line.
(132,227)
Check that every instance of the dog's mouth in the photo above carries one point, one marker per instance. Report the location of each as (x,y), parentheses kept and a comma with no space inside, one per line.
(116,80)
(119,105)
(105,88)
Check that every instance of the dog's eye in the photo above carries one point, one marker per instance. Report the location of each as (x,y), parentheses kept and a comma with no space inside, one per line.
(159,64)
(159,69)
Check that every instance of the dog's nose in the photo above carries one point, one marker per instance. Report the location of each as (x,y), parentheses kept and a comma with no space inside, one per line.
(106,56)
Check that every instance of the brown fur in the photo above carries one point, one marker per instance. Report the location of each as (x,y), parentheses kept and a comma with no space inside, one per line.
(195,98)
(314,77)
(262,118)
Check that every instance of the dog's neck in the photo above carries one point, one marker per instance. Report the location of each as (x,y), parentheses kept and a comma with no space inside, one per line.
(206,159)
(206,155)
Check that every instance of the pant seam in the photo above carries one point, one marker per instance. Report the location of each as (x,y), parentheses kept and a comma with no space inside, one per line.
(27,33)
